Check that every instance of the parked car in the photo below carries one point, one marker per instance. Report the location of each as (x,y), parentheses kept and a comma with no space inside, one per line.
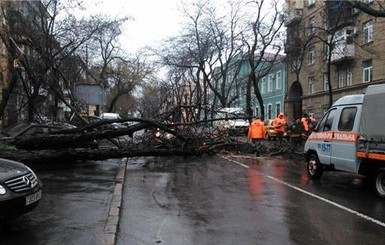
(29,129)
(26,129)
(20,189)
(271,133)
(89,120)
(113,116)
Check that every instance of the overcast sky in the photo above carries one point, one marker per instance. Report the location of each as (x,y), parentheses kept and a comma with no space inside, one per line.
(153,20)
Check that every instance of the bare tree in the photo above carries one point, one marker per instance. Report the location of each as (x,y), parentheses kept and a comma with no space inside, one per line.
(376,10)
(44,49)
(124,76)
(208,51)
(261,44)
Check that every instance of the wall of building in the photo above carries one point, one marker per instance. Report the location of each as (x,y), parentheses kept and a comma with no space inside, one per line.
(317,101)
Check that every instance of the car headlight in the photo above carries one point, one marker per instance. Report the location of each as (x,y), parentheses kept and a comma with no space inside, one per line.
(2,190)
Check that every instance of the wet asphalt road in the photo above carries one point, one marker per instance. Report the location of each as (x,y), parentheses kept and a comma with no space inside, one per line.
(73,210)
(207,200)
(245,201)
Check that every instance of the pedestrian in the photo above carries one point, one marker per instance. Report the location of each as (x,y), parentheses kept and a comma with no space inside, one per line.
(256,133)
(280,124)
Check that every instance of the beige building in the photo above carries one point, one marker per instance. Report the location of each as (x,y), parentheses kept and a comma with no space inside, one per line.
(329,41)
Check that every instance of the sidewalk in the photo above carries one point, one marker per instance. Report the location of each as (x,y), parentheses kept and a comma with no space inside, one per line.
(111,228)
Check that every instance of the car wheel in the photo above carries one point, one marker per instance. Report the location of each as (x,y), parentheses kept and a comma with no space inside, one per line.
(379,183)
(314,167)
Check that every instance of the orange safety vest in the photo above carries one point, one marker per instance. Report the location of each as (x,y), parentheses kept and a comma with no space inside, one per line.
(256,130)
(280,123)
(305,124)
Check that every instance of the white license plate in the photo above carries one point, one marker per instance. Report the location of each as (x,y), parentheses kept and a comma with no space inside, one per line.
(33,198)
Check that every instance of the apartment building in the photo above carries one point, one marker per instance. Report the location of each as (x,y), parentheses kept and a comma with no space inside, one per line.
(329,43)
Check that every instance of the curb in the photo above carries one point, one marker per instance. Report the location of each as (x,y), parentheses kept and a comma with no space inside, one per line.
(111,227)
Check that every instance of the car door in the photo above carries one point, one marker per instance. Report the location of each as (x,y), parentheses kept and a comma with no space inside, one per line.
(322,136)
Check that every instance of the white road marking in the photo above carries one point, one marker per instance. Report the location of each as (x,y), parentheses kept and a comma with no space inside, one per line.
(314,195)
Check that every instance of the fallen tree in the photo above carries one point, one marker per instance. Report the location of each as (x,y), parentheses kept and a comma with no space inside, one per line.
(138,138)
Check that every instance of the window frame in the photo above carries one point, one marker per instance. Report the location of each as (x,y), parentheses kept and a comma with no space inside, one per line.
(325,82)
(367,32)
(326,122)
(350,113)
(311,85)
(278,108)
(312,26)
(269,110)
(311,55)
(367,71)
(341,77)
(263,85)
(270,80)
(278,80)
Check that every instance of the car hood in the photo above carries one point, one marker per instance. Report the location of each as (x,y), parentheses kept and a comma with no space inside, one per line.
(9,169)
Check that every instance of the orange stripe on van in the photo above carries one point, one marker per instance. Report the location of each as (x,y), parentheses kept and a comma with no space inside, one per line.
(374,156)
(334,136)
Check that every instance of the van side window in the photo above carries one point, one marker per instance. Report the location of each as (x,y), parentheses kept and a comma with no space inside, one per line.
(326,122)
(347,117)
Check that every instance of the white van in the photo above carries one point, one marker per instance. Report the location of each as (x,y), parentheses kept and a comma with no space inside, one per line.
(351,137)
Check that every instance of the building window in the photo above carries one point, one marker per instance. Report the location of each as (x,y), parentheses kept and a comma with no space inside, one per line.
(326,82)
(341,77)
(270,83)
(269,111)
(312,26)
(325,52)
(311,55)
(367,71)
(368,32)
(263,85)
(311,85)
(310,2)
(264,109)
(349,76)
(277,108)
(278,81)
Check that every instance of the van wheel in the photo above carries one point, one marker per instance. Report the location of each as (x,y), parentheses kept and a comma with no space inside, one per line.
(314,167)
(379,183)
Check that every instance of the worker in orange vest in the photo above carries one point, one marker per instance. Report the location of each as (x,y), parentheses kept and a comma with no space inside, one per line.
(280,124)
(305,123)
(312,123)
(257,133)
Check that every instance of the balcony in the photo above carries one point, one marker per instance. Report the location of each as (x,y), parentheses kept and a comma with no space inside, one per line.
(293,10)
(344,47)
(293,16)
(343,51)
